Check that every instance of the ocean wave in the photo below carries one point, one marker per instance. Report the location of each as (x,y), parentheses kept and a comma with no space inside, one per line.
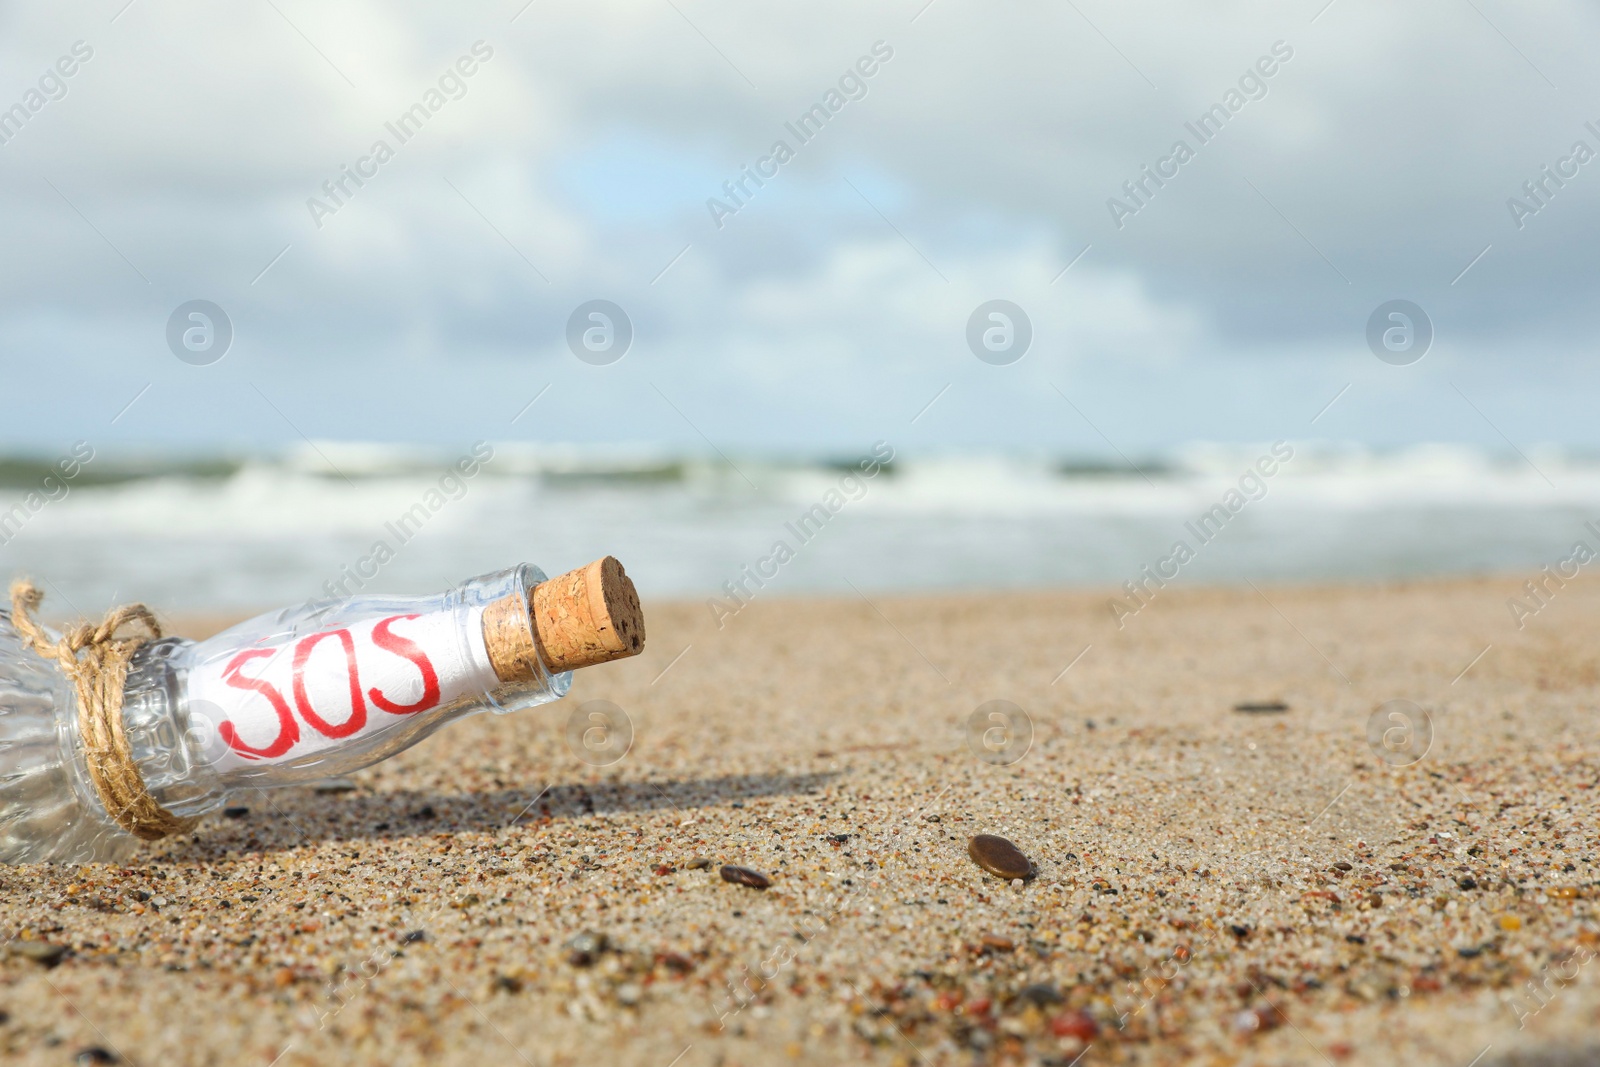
(249,532)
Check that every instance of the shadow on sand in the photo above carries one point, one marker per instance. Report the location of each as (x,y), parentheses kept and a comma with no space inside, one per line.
(279,819)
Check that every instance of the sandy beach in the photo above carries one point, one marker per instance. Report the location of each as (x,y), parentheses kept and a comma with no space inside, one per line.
(1212,886)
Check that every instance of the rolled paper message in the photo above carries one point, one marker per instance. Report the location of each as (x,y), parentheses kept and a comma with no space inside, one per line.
(293,697)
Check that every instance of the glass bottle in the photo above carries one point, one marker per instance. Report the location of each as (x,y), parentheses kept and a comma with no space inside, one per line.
(296,695)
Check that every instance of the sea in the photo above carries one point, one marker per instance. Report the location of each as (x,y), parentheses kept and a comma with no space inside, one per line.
(227,534)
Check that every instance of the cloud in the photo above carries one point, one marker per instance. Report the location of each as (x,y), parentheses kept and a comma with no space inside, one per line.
(979,163)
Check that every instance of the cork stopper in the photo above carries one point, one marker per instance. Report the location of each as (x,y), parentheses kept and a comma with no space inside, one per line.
(587,616)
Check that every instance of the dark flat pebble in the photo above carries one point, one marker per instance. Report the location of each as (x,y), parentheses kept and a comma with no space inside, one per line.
(999,857)
(1042,994)
(235,813)
(745,876)
(1261,707)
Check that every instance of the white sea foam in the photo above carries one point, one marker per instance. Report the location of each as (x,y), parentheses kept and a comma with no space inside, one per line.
(274,530)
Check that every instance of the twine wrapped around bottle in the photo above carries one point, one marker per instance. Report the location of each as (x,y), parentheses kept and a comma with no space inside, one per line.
(96,660)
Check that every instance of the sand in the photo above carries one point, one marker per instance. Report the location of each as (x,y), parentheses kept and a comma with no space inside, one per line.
(1212,886)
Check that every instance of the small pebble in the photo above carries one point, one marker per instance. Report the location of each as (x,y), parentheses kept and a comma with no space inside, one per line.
(999,857)
(1257,1019)
(676,962)
(699,863)
(996,943)
(1041,993)
(87,1057)
(413,936)
(1261,707)
(1078,1024)
(335,785)
(583,949)
(41,952)
(235,813)
(745,876)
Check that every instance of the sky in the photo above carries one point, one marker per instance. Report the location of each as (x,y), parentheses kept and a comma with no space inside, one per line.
(1358,153)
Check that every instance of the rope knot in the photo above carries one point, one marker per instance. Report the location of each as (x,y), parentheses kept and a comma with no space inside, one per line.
(95,659)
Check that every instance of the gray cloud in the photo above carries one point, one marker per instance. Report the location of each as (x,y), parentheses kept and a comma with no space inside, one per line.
(978,165)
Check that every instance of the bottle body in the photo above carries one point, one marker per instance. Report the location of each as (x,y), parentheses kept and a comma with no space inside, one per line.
(292,696)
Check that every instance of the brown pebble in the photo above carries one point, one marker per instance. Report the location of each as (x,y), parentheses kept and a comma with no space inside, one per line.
(996,943)
(699,863)
(1079,1024)
(999,857)
(41,952)
(1261,707)
(745,876)
(1262,1017)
